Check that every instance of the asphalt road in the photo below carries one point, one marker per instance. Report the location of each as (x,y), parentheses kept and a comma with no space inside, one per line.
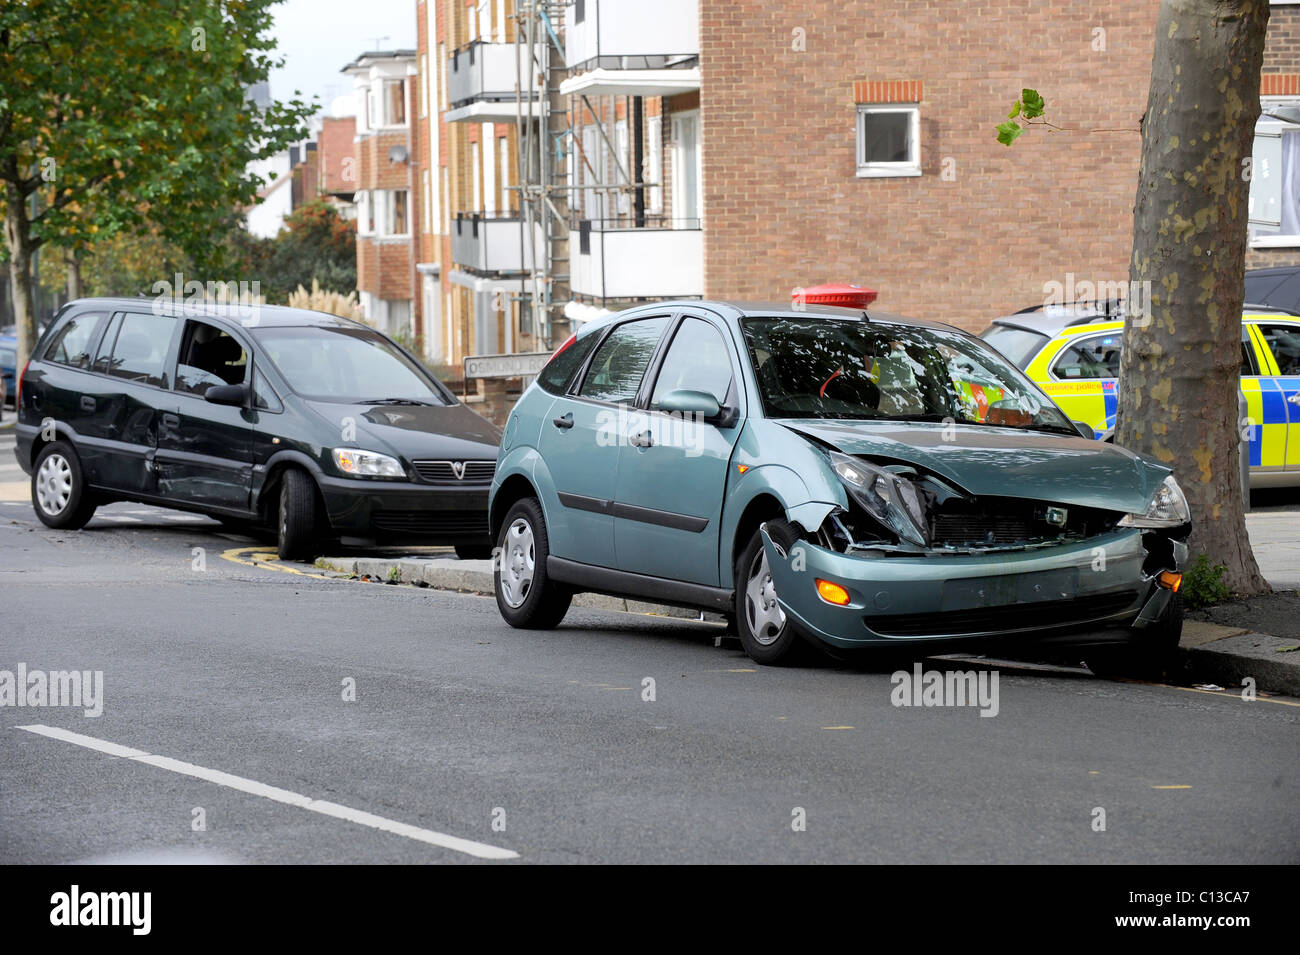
(216,667)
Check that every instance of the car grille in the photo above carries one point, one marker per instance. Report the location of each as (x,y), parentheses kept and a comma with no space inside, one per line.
(477,473)
(985,529)
(1026,616)
(470,523)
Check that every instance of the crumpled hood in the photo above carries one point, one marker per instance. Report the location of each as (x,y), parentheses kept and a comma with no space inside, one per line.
(417,432)
(982,461)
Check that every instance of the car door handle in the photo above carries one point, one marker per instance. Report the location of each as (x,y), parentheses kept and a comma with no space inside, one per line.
(564,422)
(87,403)
(641,439)
(171,421)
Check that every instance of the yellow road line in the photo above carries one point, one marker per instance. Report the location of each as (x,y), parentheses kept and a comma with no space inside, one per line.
(1171,787)
(1226,695)
(838,727)
(266,559)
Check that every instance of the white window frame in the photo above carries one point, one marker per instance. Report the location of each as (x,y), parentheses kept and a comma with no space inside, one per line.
(507,177)
(487,137)
(875,170)
(426,200)
(389,208)
(476,177)
(445,206)
(424,85)
(1268,126)
(655,132)
(679,159)
(623,158)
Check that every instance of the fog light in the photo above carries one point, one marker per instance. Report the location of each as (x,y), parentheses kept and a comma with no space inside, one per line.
(832,593)
(1169,580)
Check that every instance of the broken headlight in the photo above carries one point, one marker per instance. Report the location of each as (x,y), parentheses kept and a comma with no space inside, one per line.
(890,498)
(1168,508)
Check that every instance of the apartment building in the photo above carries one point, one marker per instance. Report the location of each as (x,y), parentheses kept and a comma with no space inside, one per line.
(572,157)
(385,195)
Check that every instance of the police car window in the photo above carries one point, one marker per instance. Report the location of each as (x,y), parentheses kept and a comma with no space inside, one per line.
(1095,357)
(1247,354)
(1284,342)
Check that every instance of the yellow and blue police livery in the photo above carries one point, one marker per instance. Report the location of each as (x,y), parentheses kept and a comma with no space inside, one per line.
(1073,352)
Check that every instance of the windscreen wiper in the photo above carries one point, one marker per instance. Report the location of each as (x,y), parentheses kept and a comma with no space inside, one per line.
(397,401)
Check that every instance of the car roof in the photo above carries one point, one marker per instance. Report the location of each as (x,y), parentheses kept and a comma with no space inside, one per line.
(236,314)
(1054,320)
(747,309)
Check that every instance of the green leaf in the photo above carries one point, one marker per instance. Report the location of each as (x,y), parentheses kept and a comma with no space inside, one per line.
(1008,132)
(1015,111)
(1033,103)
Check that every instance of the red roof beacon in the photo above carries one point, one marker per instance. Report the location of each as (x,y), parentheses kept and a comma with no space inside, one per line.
(846,296)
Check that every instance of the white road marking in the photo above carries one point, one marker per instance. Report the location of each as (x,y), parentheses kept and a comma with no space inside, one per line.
(479,850)
(120,519)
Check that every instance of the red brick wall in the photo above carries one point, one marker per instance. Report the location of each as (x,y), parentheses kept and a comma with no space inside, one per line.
(333,151)
(1282,48)
(374,171)
(784,207)
(384,267)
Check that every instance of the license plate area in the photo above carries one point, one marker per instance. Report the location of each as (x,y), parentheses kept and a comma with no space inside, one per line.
(1038,587)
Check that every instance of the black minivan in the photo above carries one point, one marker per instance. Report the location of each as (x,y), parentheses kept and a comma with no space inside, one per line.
(317,426)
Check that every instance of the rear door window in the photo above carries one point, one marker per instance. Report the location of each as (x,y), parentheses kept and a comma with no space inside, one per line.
(140,352)
(1094,357)
(74,341)
(620,362)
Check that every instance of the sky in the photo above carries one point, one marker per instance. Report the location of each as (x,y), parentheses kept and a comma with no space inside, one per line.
(317,38)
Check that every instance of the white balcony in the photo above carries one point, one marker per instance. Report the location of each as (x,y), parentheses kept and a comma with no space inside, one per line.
(623,262)
(632,48)
(490,245)
(481,81)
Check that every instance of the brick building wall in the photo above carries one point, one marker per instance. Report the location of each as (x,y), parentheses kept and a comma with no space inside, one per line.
(384,267)
(783,205)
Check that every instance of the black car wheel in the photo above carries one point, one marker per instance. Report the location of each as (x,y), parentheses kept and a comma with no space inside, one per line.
(765,632)
(526,596)
(297,537)
(59,493)
(1152,656)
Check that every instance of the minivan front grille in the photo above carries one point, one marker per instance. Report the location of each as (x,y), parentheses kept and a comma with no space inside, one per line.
(439,524)
(471,473)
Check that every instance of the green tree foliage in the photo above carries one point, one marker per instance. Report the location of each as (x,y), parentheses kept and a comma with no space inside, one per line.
(114,115)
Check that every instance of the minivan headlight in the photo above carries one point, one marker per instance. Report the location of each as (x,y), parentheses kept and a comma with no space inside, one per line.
(888,497)
(357,463)
(1168,508)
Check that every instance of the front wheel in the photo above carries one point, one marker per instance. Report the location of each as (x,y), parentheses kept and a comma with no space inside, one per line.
(297,538)
(59,492)
(526,596)
(765,632)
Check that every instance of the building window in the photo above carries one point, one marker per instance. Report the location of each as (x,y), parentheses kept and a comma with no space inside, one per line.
(889,141)
(397,221)
(396,91)
(623,159)
(1275,179)
(687,172)
(507,197)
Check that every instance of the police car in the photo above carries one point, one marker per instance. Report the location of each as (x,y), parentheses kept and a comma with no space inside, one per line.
(1072,352)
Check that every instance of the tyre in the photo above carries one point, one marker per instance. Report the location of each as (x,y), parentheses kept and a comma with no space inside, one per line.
(526,596)
(765,632)
(474,551)
(59,493)
(1152,656)
(297,538)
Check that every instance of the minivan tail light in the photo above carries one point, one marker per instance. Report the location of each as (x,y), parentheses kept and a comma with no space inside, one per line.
(18,396)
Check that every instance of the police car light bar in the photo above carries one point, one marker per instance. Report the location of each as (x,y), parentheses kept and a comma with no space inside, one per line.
(845,296)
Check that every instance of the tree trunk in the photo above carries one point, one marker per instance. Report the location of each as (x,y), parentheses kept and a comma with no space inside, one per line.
(1182,352)
(73,261)
(19,240)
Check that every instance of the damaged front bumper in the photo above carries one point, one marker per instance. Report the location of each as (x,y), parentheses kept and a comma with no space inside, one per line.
(1094,591)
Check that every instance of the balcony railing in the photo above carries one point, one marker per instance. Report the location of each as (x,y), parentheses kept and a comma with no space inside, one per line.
(615,260)
(632,34)
(487,242)
(485,74)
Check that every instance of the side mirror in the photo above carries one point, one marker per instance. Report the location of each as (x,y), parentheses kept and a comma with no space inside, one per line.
(684,401)
(235,395)
(1085,430)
